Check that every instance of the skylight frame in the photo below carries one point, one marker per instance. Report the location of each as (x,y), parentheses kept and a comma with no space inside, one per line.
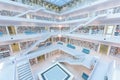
(58,3)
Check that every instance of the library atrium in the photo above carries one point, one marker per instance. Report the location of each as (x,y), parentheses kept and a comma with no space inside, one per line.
(59,39)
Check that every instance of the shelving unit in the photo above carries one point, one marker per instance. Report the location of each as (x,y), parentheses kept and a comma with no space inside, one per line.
(115,51)
(4,54)
(23,29)
(8,13)
(81,43)
(117,31)
(25,45)
(3,30)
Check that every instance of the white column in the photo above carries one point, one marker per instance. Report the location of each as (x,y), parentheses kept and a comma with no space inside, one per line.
(114,30)
(98,48)
(105,29)
(15,29)
(19,46)
(70,40)
(36,60)
(45,56)
(109,47)
(11,51)
(90,31)
(7,30)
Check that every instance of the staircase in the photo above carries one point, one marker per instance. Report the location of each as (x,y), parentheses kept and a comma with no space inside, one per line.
(88,22)
(86,61)
(29,12)
(43,38)
(24,71)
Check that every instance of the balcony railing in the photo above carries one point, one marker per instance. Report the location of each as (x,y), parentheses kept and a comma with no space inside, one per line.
(8,13)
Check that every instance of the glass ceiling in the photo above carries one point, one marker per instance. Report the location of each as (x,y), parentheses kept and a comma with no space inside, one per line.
(59,2)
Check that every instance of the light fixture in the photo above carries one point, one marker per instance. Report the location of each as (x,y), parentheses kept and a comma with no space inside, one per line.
(60,26)
(59,35)
(60,18)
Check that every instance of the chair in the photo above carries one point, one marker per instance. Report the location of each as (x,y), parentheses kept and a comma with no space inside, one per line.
(70,46)
(1,33)
(85,76)
(60,43)
(86,51)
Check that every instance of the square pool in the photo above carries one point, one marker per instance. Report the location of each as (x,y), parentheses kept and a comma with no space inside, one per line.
(56,72)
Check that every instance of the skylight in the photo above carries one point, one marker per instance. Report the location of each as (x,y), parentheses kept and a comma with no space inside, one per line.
(59,2)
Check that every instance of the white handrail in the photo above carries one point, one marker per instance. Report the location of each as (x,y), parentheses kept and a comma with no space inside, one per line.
(92,72)
(28,12)
(16,75)
(89,21)
(36,43)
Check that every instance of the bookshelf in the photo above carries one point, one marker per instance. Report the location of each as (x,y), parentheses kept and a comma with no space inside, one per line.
(3,30)
(85,44)
(23,29)
(4,54)
(8,13)
(25,45)
(115,51)
(117,31)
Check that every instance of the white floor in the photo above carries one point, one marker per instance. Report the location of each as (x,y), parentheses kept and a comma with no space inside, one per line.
(76,70)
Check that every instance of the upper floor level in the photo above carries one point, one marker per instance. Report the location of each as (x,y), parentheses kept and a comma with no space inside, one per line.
(40,13)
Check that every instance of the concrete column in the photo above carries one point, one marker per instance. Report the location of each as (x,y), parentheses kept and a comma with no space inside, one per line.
(104,33)
(36,60)
(11,51)
(7,30)
(109,47)
(19,46)
(114,30)
(90,31)
(15,29)
(98,48)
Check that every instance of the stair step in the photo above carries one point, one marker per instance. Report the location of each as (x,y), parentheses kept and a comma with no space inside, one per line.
(24,65)
(24,76)
(24,69)
(28,78)
(24,73)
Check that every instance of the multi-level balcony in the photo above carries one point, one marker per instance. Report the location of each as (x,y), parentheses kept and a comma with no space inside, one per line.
(59,18)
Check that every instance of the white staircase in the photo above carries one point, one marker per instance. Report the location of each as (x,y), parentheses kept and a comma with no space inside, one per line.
(43,38)
(70,60)
(24,71)
(88,22)
(86,61)
(29,12)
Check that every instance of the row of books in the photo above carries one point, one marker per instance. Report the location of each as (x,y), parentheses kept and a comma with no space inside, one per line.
(32,61)
(8,13)
(3,30)
(25,45)
(4,47)
(4,54)
(81,43)
(116,10)
(91,30)
(4,51)
(22,29)
(115,51)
